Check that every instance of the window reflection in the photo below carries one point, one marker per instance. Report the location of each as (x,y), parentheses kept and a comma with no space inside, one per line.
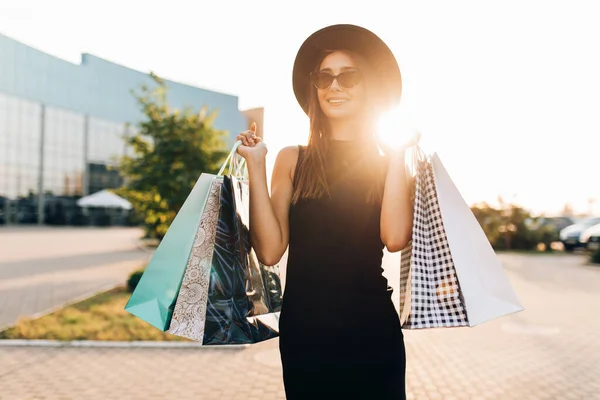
(19,160)
(106,141)
(63,152)
(64,158)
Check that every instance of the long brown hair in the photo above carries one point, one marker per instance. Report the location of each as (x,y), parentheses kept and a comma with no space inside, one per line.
(310,181)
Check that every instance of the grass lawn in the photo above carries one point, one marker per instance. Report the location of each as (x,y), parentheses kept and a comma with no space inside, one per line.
(101,317)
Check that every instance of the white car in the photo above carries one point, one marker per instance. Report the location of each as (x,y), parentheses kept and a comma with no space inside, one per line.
(571,235)
(590,238)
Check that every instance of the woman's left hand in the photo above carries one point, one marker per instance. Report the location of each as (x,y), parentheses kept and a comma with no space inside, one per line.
(413,141)
(399,151)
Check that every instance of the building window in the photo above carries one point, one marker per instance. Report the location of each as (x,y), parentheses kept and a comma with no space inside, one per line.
(63,153)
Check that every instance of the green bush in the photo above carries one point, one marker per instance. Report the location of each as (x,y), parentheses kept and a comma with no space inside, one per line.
(133,280)
(511,227)
(595,257)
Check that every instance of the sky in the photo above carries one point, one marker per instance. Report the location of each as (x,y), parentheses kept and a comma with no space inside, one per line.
(507,93)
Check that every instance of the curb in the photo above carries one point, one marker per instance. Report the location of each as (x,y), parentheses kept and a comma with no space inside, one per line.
(68,303)
(118,345)
(77,299)
(138,344)
(141,245)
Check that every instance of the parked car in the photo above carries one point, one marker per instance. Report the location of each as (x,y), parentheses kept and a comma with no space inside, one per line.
(590,238)
(547,229)
(570,236)
(555,223)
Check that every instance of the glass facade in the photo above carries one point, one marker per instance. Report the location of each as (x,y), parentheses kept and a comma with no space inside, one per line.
(64,159)
(62,128)
(106,141)
(78,154)
(106,145)
(20,122)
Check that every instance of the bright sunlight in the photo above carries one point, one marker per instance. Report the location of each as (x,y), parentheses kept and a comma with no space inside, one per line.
(396,127)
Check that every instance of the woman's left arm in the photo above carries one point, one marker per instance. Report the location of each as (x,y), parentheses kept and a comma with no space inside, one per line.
(397,208)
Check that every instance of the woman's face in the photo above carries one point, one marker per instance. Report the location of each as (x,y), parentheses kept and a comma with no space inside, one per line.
(343,97)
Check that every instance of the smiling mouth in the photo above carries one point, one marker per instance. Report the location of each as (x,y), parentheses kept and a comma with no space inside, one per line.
(336,101)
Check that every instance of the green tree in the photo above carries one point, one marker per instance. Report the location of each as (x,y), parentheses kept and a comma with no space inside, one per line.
(490,220)
(171,149)
(511,227)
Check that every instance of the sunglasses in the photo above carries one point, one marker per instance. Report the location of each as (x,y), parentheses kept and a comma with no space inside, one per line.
(324,80)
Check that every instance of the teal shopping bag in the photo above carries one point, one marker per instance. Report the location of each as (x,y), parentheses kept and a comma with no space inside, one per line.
(154,297)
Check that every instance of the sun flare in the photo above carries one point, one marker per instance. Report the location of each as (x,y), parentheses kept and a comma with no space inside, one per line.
(396,128)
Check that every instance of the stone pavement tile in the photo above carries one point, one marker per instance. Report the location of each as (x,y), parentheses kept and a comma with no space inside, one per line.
(487,363)
(549,351)
(14,358)
(146,373)
(481,363)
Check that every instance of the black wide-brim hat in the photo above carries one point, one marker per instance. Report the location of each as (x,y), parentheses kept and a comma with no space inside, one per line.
(357,40)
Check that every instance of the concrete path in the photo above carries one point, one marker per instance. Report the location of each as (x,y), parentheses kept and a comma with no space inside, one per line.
(41,268)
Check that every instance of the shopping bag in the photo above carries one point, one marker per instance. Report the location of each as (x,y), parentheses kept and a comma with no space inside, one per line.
(486,289)
(154,297)
(447,268)
(227,296)
(429,292)
(189,313)
(244,296)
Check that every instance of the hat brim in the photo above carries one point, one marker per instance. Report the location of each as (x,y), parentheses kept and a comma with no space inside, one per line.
(355,39)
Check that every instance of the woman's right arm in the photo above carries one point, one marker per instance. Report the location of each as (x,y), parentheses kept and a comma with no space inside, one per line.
(269,215)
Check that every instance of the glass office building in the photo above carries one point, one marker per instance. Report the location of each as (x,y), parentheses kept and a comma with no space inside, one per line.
(62,127)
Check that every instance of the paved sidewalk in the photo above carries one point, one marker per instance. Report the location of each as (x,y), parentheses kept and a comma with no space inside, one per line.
(41,268)
(549,351)
(490,362)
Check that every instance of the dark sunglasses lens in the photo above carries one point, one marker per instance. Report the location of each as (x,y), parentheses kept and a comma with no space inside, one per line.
(349,79)
(321,80)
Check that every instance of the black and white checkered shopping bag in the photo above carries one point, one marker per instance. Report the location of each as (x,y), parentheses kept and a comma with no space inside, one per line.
(430,295)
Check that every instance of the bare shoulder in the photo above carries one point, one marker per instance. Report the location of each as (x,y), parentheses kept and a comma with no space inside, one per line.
(287,158)
(289,153)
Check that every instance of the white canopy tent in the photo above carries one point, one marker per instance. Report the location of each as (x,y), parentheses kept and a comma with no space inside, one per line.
(104,199)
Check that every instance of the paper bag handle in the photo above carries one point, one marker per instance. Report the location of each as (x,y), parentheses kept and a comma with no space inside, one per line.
(235,166)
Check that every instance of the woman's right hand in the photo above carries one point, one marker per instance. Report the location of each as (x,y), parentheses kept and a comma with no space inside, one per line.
(252,146)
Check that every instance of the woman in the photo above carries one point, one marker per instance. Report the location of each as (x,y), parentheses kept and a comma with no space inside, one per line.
(336,202)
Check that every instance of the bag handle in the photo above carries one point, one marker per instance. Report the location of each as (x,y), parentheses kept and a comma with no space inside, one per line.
(232,162)
(240,168)
(416,155)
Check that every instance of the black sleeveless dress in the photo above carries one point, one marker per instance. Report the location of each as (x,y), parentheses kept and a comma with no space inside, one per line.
(340,335)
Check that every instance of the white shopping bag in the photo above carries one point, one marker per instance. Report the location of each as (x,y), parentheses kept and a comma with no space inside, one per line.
(449,273)
(484,285)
